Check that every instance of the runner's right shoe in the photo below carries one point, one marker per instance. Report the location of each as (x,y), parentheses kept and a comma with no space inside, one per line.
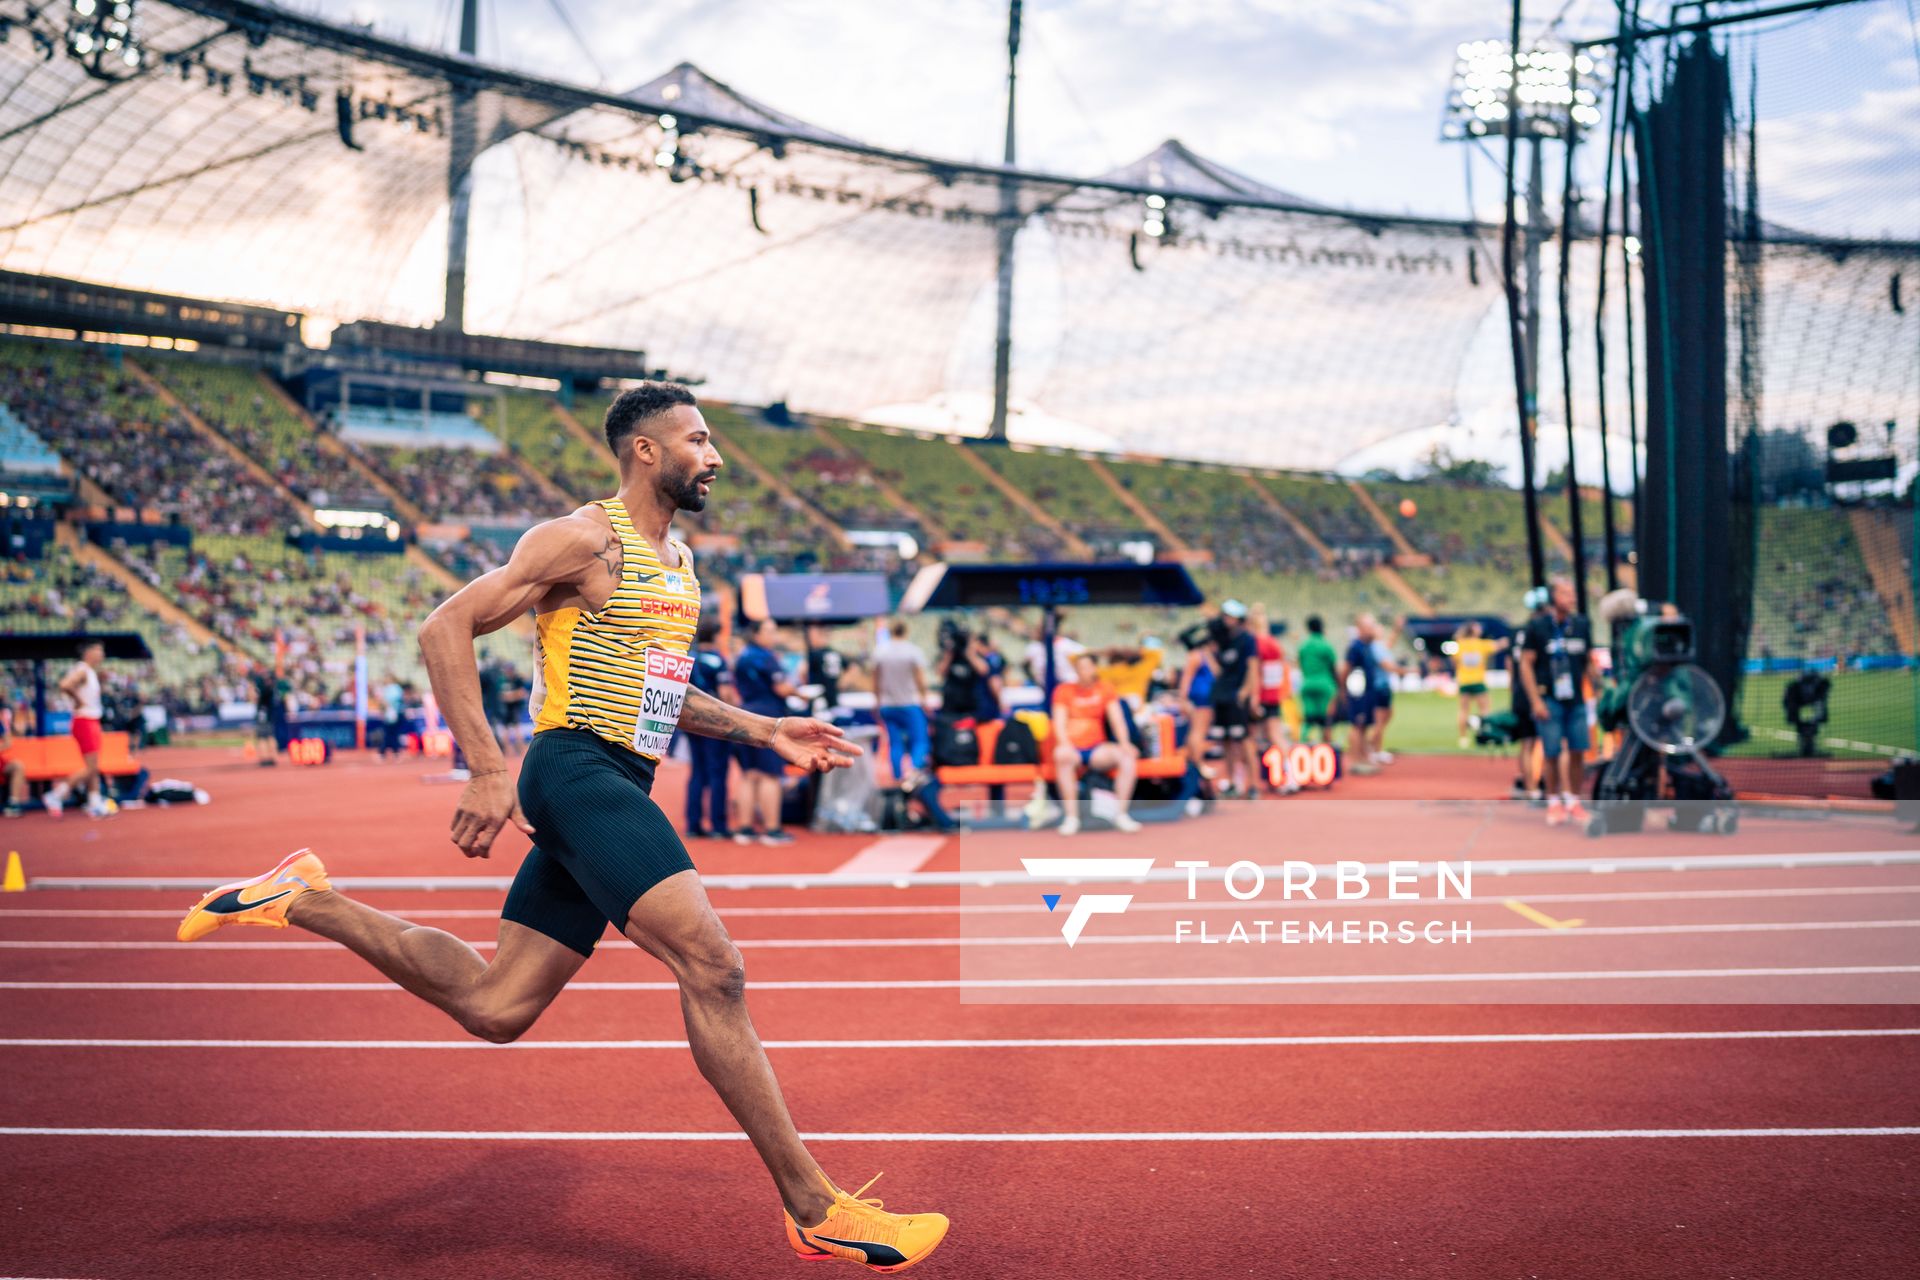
(861,1231)
(262,900)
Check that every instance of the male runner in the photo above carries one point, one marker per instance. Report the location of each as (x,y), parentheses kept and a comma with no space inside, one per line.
(81,685)
(616,603)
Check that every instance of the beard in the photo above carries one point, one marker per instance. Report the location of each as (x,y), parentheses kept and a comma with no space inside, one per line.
(684,488)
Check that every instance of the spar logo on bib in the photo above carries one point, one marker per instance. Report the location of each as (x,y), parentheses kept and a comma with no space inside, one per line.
(661,698)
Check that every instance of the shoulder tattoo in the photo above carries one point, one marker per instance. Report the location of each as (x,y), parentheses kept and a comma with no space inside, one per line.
(611,556)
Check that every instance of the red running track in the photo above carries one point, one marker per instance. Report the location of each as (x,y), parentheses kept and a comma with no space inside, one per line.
(1313,1195)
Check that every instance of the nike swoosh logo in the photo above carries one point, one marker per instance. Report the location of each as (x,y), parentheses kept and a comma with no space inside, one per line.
(231,903)
(877,1255)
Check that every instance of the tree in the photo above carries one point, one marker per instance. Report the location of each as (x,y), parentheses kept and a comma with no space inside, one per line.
(1440,464)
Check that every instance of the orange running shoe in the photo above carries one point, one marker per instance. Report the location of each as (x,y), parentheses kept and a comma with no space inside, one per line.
(861,1231)
(261,900)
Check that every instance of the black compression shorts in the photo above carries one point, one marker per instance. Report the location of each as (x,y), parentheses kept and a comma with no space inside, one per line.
(600,840)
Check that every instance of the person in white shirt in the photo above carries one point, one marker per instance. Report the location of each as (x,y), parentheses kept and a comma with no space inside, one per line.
(81,686)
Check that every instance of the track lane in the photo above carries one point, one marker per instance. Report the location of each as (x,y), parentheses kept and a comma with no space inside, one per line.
(1559,1086)
(706,1212)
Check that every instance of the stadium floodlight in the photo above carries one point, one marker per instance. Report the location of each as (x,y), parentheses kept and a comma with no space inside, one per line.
(1557,90)
(100,36)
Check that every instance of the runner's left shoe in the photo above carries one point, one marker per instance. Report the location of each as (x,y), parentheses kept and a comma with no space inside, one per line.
(861,1231)
(262,900)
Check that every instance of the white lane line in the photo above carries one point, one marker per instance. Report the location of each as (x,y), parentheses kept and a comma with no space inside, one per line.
(1024,984)
(892,857)
(1022,908)
(1151,1135)
(1037,940)
(1011,876)
(1063,1042)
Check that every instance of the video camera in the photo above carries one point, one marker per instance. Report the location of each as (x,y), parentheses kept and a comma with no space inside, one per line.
(954,637)
(1665,640)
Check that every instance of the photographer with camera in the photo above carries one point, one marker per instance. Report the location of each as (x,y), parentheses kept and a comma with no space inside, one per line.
(970,673)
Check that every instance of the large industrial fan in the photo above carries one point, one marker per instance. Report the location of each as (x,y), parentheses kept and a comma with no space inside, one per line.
(1672,710)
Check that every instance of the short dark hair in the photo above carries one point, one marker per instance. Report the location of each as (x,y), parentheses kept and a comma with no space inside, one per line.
(1315,625)
(636,405)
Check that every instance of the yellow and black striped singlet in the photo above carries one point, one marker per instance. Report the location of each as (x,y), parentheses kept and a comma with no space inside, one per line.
(601,671)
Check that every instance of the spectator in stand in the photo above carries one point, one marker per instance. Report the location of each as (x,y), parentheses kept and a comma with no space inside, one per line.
(1089,734)
(900,689)
(760,679)
(711,757)
(1236,691)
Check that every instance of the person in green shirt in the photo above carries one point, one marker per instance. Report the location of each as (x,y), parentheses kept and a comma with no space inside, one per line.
(1318,680)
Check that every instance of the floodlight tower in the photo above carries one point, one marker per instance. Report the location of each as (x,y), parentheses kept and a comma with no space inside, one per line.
(1544,92)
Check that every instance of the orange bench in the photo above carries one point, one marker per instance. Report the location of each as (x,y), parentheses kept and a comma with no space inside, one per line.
(1170,763)
(57,759)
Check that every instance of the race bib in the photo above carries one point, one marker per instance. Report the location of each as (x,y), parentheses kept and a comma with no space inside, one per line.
(661,698)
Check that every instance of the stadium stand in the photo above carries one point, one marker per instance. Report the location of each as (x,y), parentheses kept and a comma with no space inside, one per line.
(130,443)
(1814,597)
(1328,508)
(1216,510)
(1068,488)
(964,506)
(22,453)
(535,432)
(60,593)
(237,402)
(836,483)
(455,483)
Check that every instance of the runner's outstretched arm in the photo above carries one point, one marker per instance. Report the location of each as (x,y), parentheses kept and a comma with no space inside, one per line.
(802,740)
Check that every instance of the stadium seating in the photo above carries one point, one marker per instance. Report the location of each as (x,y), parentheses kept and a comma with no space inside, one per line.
(535,432)
(60,593)
(457,483)
(1813,597)
(22,453)
(1329,508)
(840,486)
(1072,493)
(125,439)
(235,401)
(1220,512)
(966,506)
(1458,524)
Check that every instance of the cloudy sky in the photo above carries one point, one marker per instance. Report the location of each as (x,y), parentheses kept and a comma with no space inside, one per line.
(1336,100)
